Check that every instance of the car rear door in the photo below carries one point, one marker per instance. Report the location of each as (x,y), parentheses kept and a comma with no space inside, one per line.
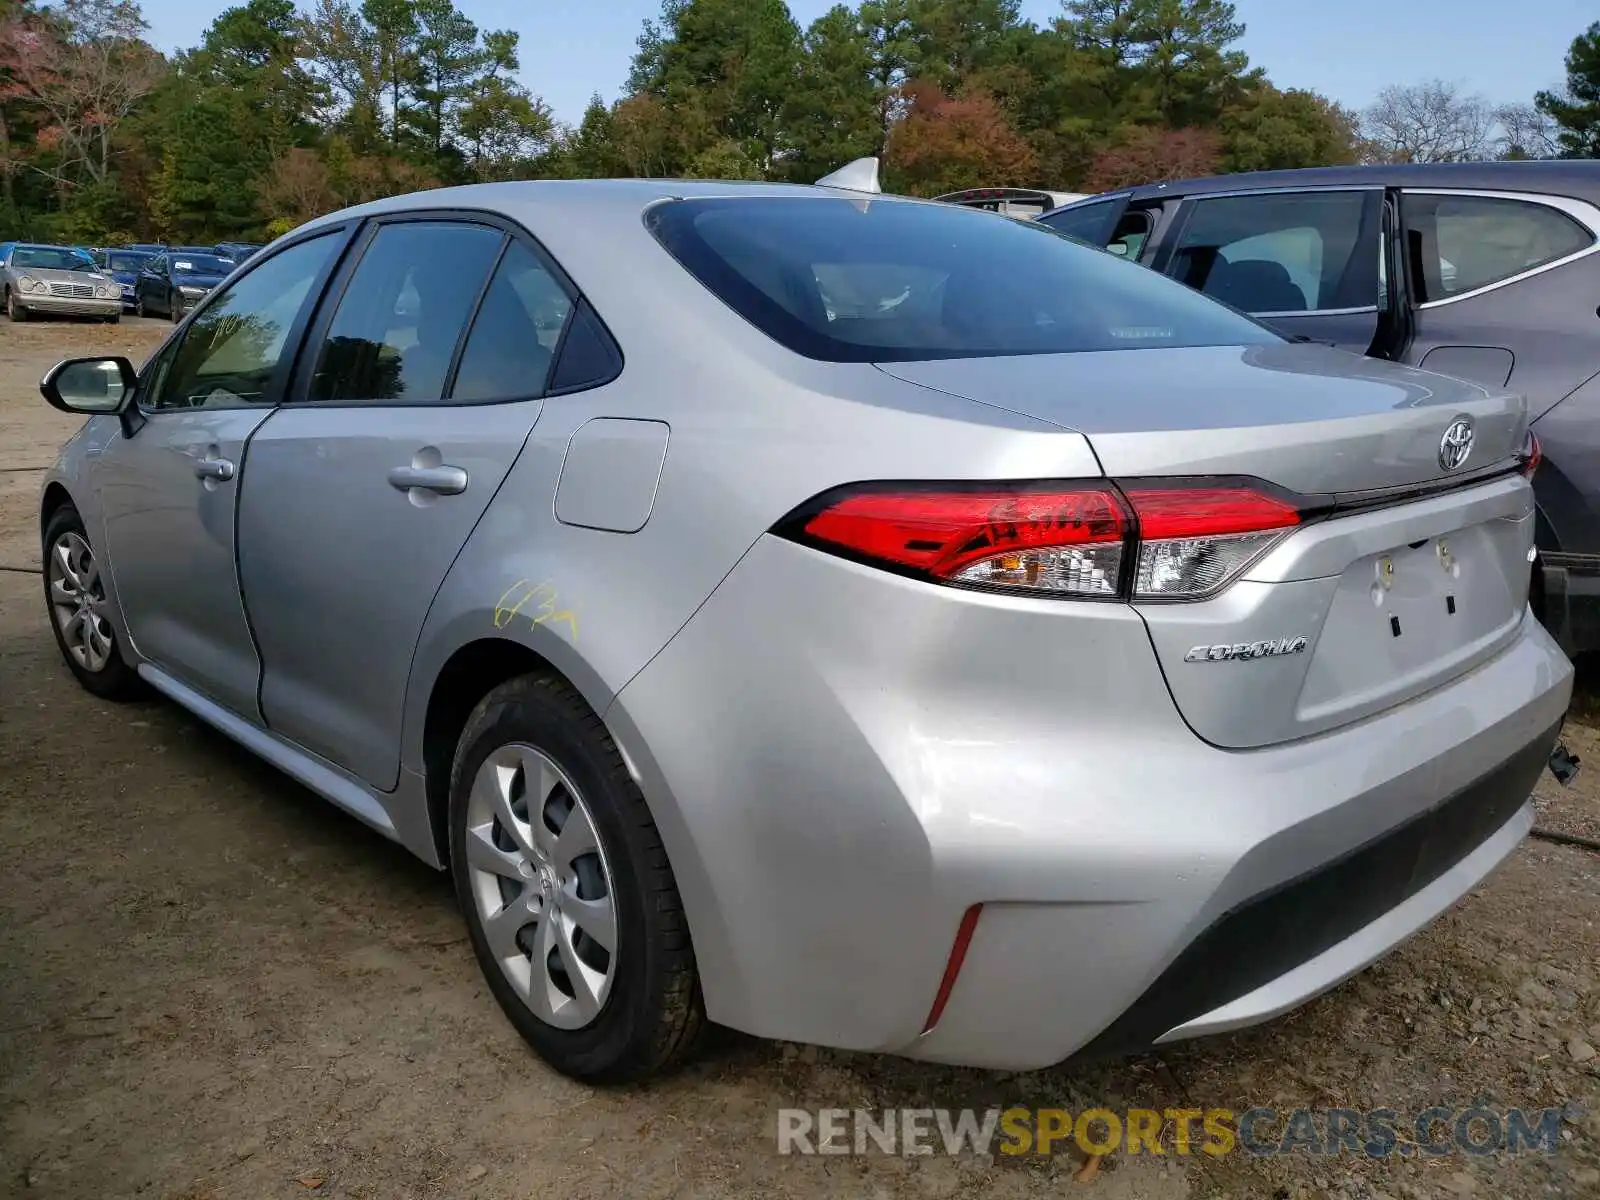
(1304,261)
(421,381)
(1498,296)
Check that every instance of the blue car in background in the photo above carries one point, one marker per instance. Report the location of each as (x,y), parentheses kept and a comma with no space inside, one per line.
(124,266)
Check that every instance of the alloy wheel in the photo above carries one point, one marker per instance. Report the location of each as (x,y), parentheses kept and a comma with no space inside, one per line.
(77,601)
(543,891)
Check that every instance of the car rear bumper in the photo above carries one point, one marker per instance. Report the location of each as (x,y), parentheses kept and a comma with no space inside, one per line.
(843,763)
(70,307)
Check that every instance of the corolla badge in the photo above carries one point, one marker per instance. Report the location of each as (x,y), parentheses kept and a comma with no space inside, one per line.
(1246,651)
(1456,444)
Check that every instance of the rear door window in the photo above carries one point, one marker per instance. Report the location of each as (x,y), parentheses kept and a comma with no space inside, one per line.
(1278,253)
(1458,244)
(406,306)
(892,281)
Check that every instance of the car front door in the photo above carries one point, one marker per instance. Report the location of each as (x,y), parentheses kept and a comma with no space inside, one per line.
(1305,262)
(415,396)
(169,490)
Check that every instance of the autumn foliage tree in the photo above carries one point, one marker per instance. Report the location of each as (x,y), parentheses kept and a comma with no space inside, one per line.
(945,143)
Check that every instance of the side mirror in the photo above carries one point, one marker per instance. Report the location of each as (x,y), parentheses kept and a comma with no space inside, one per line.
(90,386)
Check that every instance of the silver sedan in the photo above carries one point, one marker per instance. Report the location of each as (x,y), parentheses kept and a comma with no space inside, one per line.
(55,281)
(850,619)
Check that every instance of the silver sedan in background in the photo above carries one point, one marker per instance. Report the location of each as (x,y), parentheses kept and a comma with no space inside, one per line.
(855,620)
(40,280)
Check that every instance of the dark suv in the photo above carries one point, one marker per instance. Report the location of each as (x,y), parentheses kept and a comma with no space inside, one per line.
(1484,271)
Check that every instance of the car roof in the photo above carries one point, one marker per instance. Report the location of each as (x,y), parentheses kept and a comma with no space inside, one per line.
(547,196)
(1567,177)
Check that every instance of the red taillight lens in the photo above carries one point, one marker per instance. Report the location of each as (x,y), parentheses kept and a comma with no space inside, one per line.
(1051,539)
(1148,540)
(1532,455)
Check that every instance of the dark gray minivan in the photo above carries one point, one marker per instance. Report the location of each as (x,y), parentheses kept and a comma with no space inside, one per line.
(1484,271)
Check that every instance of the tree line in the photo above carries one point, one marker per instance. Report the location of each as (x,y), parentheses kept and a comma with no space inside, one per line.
(282,112)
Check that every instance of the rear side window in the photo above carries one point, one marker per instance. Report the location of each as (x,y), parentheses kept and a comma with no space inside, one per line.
(1280,253)
(515,333)
(1458,244)
(891,281)
(398,322)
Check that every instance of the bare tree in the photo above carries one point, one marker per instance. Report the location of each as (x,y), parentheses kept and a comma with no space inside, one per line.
(1427,122)
(1526,132)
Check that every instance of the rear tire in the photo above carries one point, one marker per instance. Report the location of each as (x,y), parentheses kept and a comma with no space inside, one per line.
(533,759)
(75,601)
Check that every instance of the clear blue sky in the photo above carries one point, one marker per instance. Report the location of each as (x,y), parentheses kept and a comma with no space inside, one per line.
(1346,49)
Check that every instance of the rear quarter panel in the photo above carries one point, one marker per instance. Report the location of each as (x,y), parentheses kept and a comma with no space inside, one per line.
(753,431)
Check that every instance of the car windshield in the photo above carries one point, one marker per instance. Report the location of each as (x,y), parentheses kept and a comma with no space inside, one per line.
(892,280)
(122,260)
(50,258)
(200,264)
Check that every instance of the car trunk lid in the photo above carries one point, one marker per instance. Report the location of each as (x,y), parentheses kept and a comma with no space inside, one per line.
(1410,569)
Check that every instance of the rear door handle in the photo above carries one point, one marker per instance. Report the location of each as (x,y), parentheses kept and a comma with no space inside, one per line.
(213,468)
(445,481)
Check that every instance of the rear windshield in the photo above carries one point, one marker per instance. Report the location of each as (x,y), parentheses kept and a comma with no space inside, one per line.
(892,281)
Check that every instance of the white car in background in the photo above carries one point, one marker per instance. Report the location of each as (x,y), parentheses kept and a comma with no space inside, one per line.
(1026,203)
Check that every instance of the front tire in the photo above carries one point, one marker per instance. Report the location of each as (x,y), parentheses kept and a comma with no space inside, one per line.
(15,311)
(570,902)
(75,598)
(174,308)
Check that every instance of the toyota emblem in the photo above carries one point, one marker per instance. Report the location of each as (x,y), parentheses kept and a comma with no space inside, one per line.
(1456,444)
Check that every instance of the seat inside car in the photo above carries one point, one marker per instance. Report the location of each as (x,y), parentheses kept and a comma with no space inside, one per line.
(1255,285)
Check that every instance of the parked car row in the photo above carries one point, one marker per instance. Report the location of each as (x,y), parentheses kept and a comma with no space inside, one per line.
(1017,655)
(148,279)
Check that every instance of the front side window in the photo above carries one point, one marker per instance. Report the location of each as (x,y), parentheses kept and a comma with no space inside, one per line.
(1458,244)
(234,346)
(894,281)
(515,333)
(1280,252)
(397,324)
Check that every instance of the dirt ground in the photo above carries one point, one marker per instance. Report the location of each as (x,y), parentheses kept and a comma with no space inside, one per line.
(212,984)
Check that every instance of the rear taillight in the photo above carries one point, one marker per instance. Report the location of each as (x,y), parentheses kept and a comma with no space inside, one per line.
(1195,540)
(1532,455)
(1066,540)
(1145,540)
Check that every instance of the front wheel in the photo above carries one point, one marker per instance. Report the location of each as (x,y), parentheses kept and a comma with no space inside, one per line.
(15,311)
(174,308)
(74,592)
(570,902)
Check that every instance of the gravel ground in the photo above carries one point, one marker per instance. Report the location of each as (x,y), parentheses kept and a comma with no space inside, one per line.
(214,985)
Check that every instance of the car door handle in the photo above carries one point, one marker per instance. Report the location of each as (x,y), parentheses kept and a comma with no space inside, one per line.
(213,468)
(446,481)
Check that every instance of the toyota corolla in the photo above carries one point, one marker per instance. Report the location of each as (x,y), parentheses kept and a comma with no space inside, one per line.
(853,620)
